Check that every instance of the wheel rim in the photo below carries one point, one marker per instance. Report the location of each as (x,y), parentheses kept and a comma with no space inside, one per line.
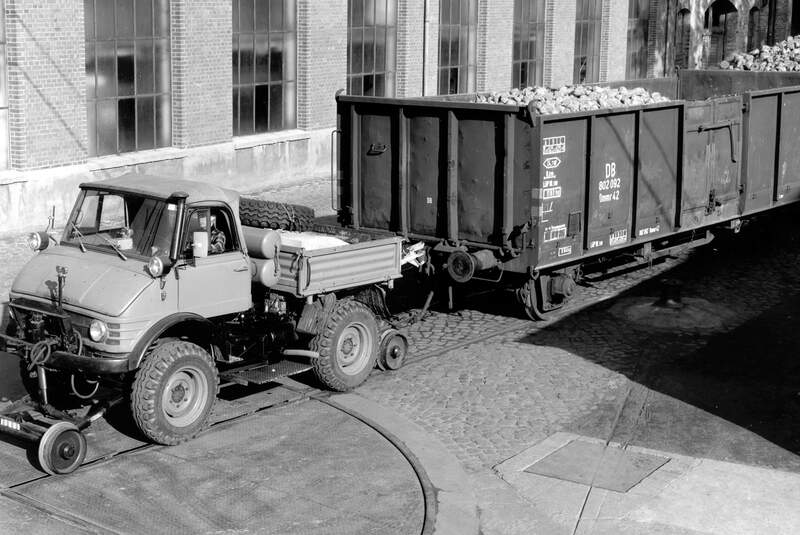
(66,451)
(62,449)
(184,397)
(354,348)
(396,351)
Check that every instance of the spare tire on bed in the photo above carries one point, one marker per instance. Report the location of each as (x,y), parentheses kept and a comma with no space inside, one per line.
(276,215)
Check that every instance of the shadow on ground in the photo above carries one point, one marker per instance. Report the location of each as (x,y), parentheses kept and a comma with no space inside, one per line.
(731,393)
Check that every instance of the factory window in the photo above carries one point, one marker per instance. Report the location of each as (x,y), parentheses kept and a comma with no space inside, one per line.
(127,75)
(527,63)
(458,29)
(264,61)
(587,41)
(683,38)
(3,90)
(371,40)
(638,19)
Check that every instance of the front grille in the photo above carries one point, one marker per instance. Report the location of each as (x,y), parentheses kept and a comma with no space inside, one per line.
(37,321)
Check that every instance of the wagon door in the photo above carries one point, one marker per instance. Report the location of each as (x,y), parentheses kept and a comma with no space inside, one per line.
(788,185)
(377,156)
(711,181)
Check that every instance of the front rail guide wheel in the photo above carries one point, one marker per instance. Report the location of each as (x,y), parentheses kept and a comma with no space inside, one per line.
(173,392)
(347,346)
(62,449)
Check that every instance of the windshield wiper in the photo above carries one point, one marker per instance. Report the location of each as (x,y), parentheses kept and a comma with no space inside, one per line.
(79,234)
(114,245)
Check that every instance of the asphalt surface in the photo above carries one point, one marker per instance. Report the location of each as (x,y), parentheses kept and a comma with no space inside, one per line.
(712,386)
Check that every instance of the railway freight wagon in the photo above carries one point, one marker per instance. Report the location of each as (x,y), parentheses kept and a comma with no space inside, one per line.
(500,191)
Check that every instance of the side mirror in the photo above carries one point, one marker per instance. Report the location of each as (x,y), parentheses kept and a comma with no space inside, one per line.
(200,244)
(159,265)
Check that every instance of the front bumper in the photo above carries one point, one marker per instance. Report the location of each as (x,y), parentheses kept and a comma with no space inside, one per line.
(63,360)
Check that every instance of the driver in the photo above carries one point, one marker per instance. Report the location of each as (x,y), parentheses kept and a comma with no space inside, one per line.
(216,243)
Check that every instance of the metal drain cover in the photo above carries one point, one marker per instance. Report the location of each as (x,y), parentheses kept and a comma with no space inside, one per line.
(691,315)
(596,464)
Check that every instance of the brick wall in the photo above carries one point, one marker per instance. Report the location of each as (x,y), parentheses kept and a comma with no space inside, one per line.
(431,51)
(410,51)
(321,60)
(46,83)
(201,72)
(495,44)
(561,20)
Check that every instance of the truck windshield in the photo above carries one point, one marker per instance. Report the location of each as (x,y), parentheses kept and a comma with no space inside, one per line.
(115,222)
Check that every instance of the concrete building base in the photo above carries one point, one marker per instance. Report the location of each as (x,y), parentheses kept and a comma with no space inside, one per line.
(246,164)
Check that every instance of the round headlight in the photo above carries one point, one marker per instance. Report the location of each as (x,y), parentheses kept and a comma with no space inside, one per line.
(38,241)
(98,331)
(155,266)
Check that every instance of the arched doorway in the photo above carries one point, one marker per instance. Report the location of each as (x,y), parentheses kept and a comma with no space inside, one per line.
(719,36)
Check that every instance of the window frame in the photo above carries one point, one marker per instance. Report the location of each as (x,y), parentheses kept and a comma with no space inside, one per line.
(232,244)
(465,29)
(636,57)
(529,27)
(258,88)
(130,46)
(588,27)
(357,78)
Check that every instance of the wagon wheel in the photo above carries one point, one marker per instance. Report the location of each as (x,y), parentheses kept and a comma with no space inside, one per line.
(62,449)
(530,299)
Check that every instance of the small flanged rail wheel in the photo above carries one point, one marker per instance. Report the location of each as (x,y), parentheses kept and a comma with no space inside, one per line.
(174,391)
(62,448)
(393,350)
(529,299)
(347,346)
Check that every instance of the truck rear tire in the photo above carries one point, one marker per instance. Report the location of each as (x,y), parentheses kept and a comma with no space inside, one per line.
(347,346)
(276,215)
(173,392)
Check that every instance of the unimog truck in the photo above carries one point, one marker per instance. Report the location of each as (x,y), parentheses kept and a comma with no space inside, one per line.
(156,293)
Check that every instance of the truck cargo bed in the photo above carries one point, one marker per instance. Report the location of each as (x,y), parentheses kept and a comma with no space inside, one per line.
(311,271)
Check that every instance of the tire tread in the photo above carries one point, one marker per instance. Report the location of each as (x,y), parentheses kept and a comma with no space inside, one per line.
(323,344)
(275,215)
(145,386)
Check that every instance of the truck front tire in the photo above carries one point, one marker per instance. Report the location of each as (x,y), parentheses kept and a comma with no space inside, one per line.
(347,346)
(173,392)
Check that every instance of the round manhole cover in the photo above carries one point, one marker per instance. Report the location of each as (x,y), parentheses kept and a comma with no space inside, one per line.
(690,314)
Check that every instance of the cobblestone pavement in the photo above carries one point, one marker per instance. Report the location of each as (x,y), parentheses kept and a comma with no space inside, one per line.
(709,394)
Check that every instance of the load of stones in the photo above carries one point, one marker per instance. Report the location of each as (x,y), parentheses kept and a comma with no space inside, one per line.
(573,98)
(782,57)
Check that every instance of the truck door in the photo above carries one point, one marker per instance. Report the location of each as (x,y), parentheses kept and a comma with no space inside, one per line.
(218,283)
